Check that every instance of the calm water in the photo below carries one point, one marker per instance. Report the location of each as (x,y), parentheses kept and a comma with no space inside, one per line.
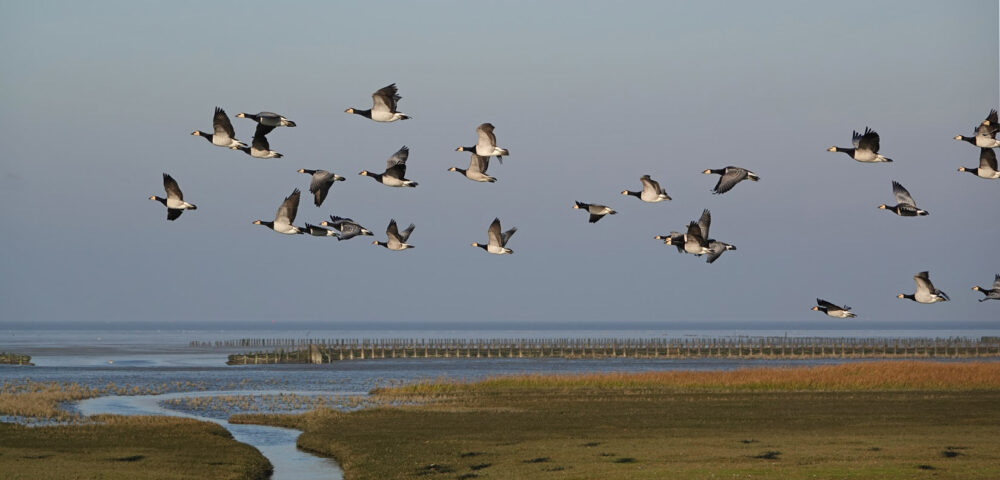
(162,360)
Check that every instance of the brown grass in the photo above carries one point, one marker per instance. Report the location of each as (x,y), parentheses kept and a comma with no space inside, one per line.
(867,376)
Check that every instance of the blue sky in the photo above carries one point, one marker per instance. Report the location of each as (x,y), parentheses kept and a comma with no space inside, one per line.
(99,99)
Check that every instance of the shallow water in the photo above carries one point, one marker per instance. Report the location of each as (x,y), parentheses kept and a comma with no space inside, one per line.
(164,363)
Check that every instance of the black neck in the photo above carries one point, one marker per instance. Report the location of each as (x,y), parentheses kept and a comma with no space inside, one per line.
(161,200)
(363,113)
(307,171)
(974,171)
(634,194)
(484,247)
(376,176)
(848,151)
(971,140)
(206,136)
(267,224)
(460,170)
(909,296)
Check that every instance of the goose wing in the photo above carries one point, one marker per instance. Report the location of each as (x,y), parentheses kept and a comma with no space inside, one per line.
(987,159)
(385,98)
(705,222)
(869,141)
(650,185)
(478,163)
(173,191)
(392,231)
(260,142)
(827,305)
(405,234)
(856,138)
(730,178)
(289,208)
(495,237)
(996,282)
(486,136)
(262,130)
(718,248)
(398,158)
(902,195)
(923,281)
(173,213)
(320,185)
(221,124)
(694,231)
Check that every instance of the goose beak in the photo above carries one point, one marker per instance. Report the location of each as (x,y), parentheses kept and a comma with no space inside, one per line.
(832,149)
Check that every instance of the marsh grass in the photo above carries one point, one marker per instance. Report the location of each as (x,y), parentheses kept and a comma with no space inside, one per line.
(148,447)
(35,401)
(872,420)
(863,376)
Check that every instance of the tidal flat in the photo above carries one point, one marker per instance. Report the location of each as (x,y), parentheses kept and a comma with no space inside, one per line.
(890,420)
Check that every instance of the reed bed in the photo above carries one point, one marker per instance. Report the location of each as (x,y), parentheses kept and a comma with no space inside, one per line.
(283,402)
(866,376)
(10,358)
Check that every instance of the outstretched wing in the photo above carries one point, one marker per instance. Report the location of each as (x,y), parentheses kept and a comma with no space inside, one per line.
(704,223)
(827,305)
(493,233)
(289,208)
(730,178)
(486,136)
(405,234)
(173,191)
(478,163)
(398,158)
(385,98)
(221,124)
(902,195)
(869,141)
(996,282)
(923,281)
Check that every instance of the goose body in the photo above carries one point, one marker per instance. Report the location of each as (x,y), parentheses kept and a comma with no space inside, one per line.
(269,119)
(497,243)
(223,134)
(259,146)
(730,176)
(925,293)
(833,310)
(865,147)
(595,210)
(348,228)
(486,145)
(651,191)
(477,169)
(395,171)
(991,293)
(985,134)
(987,165)
(285,216)
(905,206)
(175,199)
(320,184)
(396,240)
(383,106)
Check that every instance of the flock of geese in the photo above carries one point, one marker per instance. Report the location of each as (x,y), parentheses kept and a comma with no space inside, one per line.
(694,240)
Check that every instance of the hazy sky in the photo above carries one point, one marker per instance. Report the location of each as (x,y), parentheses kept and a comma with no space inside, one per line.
(98,99)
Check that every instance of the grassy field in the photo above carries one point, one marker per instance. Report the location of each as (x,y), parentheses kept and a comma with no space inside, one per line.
(128,448)
(889,420)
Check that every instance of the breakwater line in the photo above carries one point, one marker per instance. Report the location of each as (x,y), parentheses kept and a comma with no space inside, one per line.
(334,350)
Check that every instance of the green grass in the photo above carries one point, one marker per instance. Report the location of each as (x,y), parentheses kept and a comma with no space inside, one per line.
(590,427)
(128,448)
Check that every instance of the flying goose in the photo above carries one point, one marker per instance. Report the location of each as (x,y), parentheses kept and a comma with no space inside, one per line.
(321,182)
(395,170)
(348,228)
(991,293)
(926,293)
(987,165)
(318,231)
(224,135)
(285,216)
(595,210)
(833,310)
(497,243)
(698,242)
(259,147)
(175,199)
(651,191)
(486,146)
(984,135)
(730,177)
(905,206)
(477,169)
(865,147)
(394,239)
(383,106)
(270,119)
